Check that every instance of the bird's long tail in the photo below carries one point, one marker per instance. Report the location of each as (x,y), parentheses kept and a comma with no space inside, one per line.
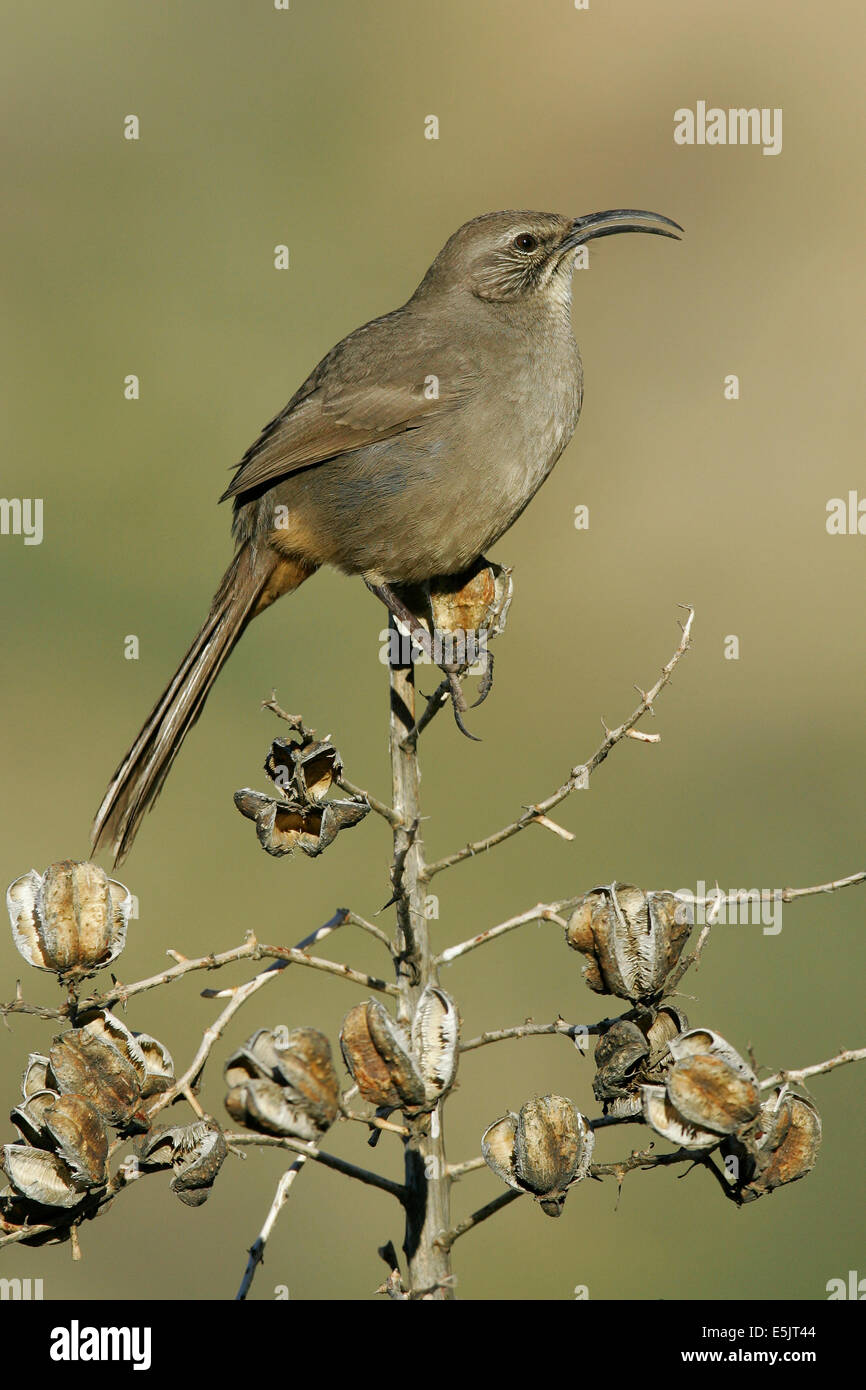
(250,584)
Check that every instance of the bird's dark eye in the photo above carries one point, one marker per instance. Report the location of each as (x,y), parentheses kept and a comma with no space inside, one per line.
(526,241)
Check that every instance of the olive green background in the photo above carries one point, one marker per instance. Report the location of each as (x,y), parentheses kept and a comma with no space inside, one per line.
(156,258)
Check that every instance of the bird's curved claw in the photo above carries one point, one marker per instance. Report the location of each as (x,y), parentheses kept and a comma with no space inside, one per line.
(486,681)
(458,704)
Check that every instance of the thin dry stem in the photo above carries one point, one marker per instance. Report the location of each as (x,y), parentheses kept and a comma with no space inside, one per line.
(327,1160)
(257,1249)
(542,912)
(537,1030)
(579,775)
(795,1077)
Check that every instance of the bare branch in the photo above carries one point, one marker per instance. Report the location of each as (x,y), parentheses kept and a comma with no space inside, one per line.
(579,775)
(435,702)
(386,812)
(257,1249)
(842,1059)
(328,1160)
(357,921)
(295,720)
(686,962)
(789,894)
(239,994)
(22,1233)
(447,1238)
(537,1030)
(644,1158)
(249,950)
(376,1122)
(455,1171)
(184,1084)
(292,956)
(19,1005)
(547,824)
(542,912)
(716,900)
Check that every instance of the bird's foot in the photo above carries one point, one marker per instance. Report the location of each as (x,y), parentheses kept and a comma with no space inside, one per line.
(453,671)
(454,675)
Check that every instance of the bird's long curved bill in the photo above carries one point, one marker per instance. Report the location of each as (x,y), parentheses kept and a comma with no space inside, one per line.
(599,224)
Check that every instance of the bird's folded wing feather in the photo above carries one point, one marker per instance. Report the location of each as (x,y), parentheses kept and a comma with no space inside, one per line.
(358,395)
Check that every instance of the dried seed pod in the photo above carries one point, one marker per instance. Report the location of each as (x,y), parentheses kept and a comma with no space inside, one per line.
(783,1150)
(497,1148)
(298,1062)
(667,1024)
(631,1054)
(29,1118)
(619,1057)
(158,1065)
(393,1047)
(305,1067)
(155,1151)
(262,1105)
(38,1075)
(552,1149)
(198,1160)
(284,826)
(475,601)
(661,1116)
(377,1052)
(699,1042)
(395,1070)
(435,1031)
(72,919)
(150,1060)
(78,1135)
(258,1056)
(87,1065)
(43,1177)
(631,939)
(708,1093)
(305,768)
(66,1153)
(795,1151)
(196,1152)
(543,1150)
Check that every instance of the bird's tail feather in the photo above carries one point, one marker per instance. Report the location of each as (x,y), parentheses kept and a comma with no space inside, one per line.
(244,591)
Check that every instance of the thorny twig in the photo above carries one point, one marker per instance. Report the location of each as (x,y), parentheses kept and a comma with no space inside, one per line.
(780,1078)
(435,702)
(239,994)
(575,1031)
(327,1160)
(386,812)
(579,775)
(251,949)
(296,722)
(542,912)
(257,1249)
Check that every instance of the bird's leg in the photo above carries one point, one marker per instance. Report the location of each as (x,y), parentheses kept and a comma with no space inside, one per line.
(422,638)
(395,605)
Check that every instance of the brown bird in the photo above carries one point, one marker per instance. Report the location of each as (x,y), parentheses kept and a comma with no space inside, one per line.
(408,451)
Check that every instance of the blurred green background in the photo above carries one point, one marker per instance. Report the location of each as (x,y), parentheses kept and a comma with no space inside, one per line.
(156,258)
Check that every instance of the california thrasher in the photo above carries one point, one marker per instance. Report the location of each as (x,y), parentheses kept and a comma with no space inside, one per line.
(408,451)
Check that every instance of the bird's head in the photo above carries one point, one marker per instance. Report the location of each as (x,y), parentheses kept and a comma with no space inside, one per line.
(508,256)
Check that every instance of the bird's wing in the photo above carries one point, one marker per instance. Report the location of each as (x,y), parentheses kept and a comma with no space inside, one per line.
(379,382)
